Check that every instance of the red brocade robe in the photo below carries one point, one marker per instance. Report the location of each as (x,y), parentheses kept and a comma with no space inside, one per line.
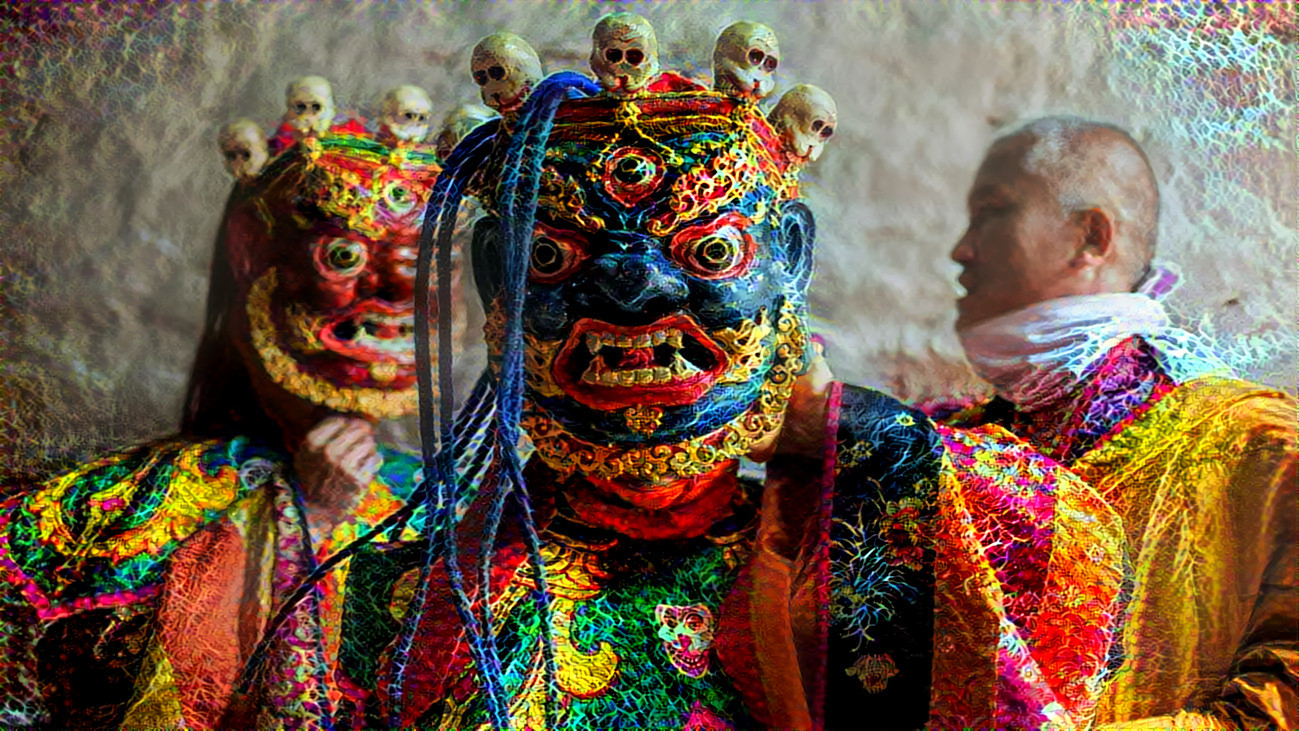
(1203,475)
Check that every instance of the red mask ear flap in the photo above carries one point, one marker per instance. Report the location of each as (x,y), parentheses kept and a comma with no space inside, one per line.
(248,230)
(258,213)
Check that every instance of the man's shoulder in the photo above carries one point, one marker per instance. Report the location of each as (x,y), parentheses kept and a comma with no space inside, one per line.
(1234,404)
(1210,418)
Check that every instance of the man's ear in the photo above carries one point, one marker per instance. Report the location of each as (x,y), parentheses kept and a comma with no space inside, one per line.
(796,242)
(1096,240)
(485,251)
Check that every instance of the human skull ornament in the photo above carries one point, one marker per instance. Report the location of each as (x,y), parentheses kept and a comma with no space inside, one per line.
(506,68)
(624,53)
(310,102)
(805,117)
(745,59)
(243,148)
(687,635)
(406,113)
(459,122)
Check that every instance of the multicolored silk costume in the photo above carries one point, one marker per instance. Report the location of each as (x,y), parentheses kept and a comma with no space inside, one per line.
(645,262)
(899,572)
(1203,473)
(112,577)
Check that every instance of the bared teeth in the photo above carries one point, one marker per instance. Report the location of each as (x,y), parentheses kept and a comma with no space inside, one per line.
(597,373)
(635,377)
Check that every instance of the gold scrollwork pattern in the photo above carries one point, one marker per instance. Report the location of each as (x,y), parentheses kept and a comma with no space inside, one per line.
(746,346)
(564,198)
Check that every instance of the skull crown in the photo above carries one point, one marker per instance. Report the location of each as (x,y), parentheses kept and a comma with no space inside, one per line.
(625,60)
(310,105)
(624,53)
(805,117)
(745,59)
(406,112)
(506,69)
(459,122)
(243,148)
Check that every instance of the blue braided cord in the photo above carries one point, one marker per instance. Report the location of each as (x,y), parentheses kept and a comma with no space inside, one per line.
(470,155)
(518,190)
(483,396)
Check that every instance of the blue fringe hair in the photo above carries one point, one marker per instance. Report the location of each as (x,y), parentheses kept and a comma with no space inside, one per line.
(482,440)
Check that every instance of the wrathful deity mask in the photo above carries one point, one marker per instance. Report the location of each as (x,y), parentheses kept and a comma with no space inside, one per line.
(663,321)
(323,246)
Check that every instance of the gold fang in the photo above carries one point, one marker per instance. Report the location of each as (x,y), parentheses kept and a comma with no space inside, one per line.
(665,463)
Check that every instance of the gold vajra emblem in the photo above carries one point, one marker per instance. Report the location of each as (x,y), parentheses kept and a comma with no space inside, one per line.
(643,419)
(874,671)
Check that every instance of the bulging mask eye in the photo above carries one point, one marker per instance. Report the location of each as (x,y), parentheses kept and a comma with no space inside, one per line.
(555,256)
(398,198)
(344,257)
(719,250)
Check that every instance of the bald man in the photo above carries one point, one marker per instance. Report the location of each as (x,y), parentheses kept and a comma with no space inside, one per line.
(1060,316)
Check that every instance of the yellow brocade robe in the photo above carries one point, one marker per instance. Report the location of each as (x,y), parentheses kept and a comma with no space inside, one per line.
(1205,483)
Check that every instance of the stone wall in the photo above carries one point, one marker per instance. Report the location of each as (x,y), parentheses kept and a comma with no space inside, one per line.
(112,188)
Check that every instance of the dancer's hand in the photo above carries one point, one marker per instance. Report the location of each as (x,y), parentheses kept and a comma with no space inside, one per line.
(335,464)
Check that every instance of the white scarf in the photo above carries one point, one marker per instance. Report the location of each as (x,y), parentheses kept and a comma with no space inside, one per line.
(1037,355)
